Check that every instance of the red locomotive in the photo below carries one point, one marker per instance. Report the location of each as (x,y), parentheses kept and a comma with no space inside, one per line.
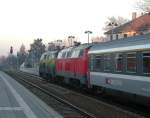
(71,65)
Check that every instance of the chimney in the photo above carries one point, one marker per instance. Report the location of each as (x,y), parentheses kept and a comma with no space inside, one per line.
(133,15)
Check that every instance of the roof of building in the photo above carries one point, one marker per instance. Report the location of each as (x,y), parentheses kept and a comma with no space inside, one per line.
(139,24)
(132,43)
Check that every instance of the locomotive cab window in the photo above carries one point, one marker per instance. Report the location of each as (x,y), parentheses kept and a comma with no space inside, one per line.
(64,54)
(55,55)
(45,57)
(60,55)
(75,54)
(119,62)
(81,53)
(52,55)
(131,62)
(146,62)
(69,54)
(42,57)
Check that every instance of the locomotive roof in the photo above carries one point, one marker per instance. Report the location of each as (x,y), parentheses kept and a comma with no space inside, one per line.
(49,52)
(124,44)
(80,47)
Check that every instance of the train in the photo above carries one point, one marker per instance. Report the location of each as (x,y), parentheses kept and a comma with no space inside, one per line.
(118,67)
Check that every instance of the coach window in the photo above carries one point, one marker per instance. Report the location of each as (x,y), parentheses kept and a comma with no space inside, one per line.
(131,62)
(119,62)
(146,62)
(97,62)
(107,62)
(125,35)
(111,37)
(116,36)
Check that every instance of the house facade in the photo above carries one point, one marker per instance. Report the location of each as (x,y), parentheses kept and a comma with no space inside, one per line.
(137,26)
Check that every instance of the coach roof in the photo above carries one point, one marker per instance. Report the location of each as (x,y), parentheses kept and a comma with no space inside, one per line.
(125,44)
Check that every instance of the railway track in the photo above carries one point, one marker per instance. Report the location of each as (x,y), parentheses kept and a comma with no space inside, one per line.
(69,110)
(66,109)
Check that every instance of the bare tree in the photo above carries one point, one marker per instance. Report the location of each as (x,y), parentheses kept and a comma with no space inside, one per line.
(22,49)
(37,48)
(144,5)
(116,20)
(21,55)
(98,39)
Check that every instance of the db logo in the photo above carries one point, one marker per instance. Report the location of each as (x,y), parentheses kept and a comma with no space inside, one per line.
(108,81)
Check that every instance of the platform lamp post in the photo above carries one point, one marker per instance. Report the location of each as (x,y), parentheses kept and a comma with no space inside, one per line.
(88,32)
(112,25)
(70,38)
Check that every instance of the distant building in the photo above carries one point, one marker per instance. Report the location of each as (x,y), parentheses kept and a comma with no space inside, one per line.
(137,26)
(98,39)
(70,41)
(51,46)
(56,44)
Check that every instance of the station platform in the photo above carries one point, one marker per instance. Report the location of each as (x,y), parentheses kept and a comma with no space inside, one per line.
(18,102)
(34,71)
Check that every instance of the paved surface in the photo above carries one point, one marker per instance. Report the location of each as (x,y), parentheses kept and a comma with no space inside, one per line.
(17,102)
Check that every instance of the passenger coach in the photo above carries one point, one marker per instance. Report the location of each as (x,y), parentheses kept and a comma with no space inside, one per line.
(122,66)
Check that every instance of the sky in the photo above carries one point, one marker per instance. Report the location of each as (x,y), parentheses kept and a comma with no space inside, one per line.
(22,21)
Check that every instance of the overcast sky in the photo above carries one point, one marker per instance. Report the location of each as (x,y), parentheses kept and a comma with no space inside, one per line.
(21,21)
